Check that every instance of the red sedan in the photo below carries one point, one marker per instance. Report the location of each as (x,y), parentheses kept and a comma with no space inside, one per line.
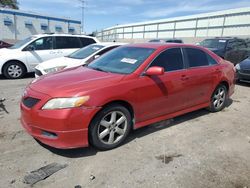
(128,88)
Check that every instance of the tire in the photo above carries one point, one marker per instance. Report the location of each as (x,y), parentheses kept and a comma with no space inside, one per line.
(218,99)
(14,70)
(115,127)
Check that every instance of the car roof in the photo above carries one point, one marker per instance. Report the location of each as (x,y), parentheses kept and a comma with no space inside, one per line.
(62,35)
(161,45)
(109,44)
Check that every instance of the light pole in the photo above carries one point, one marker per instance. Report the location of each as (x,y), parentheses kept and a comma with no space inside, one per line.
(82,7)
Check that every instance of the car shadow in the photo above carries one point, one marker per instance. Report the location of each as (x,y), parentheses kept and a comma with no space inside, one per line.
(71,153)
(28,75)
(134,134)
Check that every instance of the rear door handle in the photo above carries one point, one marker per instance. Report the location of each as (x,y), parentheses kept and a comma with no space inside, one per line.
(184,77)
(218,70)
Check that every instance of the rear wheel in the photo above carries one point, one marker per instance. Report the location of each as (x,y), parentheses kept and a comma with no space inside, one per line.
(14,70)
(110,127)
(218,99)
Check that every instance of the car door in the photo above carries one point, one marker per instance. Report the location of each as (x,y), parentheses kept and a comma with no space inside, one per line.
(165,94)
(38,51)
(65,45)
(202,74)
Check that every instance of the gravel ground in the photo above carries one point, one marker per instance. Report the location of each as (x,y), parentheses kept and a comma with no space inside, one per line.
(199,149)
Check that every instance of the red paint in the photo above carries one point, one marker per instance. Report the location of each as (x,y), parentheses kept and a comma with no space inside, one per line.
(153,98)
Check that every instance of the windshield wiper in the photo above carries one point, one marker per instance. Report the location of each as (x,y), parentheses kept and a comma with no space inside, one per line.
(96,68)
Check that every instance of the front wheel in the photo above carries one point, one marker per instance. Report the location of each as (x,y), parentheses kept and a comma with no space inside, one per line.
(14,70)
(110,127)
(218,99)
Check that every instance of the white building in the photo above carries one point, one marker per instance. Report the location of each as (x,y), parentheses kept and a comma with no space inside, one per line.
(17,25)
(233,22)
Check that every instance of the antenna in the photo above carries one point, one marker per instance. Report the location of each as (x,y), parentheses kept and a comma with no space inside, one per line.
(83,8)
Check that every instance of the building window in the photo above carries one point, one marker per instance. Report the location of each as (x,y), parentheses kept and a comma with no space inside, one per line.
(28,23)
(71,29)
(44,26)
(58,28)
(7,21)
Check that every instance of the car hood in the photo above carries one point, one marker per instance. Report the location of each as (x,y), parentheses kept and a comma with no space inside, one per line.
(245,64)
(8,52)
(74,82)
(61,61)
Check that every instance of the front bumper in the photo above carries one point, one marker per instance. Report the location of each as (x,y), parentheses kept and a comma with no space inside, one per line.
(64,128)
(242,76)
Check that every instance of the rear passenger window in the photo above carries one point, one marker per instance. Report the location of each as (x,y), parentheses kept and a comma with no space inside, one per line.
(170,60)
(67,42)
(211,60)
(196,57)
(86,41)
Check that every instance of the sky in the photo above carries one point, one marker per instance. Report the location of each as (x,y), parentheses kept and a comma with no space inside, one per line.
(100,14)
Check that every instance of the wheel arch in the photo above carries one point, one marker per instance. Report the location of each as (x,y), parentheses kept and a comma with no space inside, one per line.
(14,60)
(124,103)
(225,83)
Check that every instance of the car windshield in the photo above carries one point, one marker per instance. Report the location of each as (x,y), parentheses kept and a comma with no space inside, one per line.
(214,43)
(85,52)
(21,43)
(123,60)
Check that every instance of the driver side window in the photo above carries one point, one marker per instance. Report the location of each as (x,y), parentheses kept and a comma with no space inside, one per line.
(45,43)
(170,60)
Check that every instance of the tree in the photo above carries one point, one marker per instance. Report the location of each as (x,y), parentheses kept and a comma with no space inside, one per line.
(13,4)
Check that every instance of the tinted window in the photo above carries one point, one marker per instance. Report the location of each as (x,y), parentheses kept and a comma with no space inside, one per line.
(237,44)
(123,60)
(45,43)
(170,60)
(67,42)
(211,60)
(196,57)
(86,41)
(214,43)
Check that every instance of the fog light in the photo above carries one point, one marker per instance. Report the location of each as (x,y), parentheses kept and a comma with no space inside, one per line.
(49,134)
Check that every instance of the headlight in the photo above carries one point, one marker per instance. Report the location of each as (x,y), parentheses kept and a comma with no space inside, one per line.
(60,103)
(54,69)
(237,67)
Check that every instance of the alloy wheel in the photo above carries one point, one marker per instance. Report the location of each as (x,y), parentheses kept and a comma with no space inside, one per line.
(219,97)
(112,127)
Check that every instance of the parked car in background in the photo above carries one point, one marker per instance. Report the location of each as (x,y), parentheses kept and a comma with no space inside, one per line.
(232,49)
(130,87)
(167,40)
(22,57)
(77,58)
(4,44)
(243,71)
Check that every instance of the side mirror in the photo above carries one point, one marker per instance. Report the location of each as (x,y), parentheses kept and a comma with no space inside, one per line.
(31,48)
(154,71)
(96,56)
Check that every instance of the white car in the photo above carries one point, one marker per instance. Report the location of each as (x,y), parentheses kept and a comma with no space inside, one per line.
(25,55)
(77,58)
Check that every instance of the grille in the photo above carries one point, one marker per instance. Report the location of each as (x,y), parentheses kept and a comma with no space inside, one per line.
(30,102)
(38,73)
(245,71)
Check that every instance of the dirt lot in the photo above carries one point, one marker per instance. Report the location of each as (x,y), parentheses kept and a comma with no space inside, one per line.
(199,149)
